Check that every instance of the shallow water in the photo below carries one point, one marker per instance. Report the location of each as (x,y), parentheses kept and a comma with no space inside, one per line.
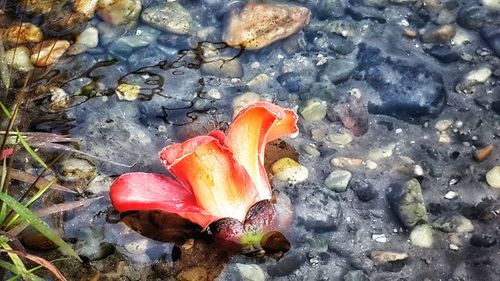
(349,49)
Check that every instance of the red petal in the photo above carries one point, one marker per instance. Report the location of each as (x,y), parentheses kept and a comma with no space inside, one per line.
(144,191)
(221,186)
(249,133)
(7,152)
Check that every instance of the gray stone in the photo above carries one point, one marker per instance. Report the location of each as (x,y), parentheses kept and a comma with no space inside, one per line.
(492,36)
(476,17)
(407,203)
(318,210)
(286,265)
(170,17)
(338,180)
(355,275)
(453,223)
(223,67)
(314,110)
(337,71)
(124,46)
(363,190)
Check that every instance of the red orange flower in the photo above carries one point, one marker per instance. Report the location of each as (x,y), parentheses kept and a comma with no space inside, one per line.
(216,176)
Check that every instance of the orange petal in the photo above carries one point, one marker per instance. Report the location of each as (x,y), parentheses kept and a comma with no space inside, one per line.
(144,191)
(249,133)
(220,185)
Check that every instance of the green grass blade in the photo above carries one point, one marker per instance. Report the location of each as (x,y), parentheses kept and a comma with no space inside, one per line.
(38,224)
(5,110)
(16,260)
(32,200)
(31,152)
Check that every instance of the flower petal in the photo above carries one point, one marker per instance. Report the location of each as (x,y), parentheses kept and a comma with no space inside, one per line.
(7,152)
(249,133)
(220,185)
(145,191)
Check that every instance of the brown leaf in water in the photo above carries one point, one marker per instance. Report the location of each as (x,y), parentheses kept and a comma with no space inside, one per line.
(275,244)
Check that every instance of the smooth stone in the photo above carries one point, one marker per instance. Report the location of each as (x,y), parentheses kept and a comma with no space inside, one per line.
(48,52)
(384,257)
(287,169)
(290,81)
(453,223)
(109,33)
(251,272)
(169,17)
(346,162)
(443,53)
(74,169)
(19,59)
(340,44)
(340,138)
(244,100)
(355,275)
(443,124)
(124,46)
(442,33)
(492,36)
(287,265)
(318,210)
(258,25)
(493,177)
(223,67)
(311,150)
(363,190)
(23,33)
(314,110)
(482,240)
(473,77)
(127,92)
(89,37)
(407,203)
(421,236)
(446,16)
(381,153)
(119,12)
(405,90)
(338,70)
(338,180)
(477,17)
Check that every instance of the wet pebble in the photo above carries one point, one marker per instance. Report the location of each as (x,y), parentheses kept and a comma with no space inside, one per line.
(453,223)
(363,190)
(48,52)
(286,265)
(244,100)
(124,46)
(443,53)
(408,203)
(492,37)
(338,180)
(341,45)
(442,33)
(314,110)
(319,210)
(443,124)
(340,138)
(380,153)
(421,236)
(483,153)
(493,177)
(260,24)
(170,17)
(476,17)
(119,12)
(251,272)
(355,275)
(127,92)
(94,251)
(338,70)
(346,162)
(384,257)
(473,77)
(311,150)
(287,169)
(74,169)
(482,240)
(406,91)
(223,67)
(290,81)
(19,58)
(23,33)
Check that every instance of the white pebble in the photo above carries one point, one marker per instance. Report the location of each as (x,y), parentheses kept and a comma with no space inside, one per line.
(443,125)
(493,177)
(450,195)
(380,238)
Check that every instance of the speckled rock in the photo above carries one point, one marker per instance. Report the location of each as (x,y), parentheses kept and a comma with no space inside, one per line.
(23,33)
(169,16)
(74,169)
(338,180)
(407,203)
(119,12)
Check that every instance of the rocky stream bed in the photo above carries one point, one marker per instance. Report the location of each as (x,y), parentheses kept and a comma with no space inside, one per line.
(397,173)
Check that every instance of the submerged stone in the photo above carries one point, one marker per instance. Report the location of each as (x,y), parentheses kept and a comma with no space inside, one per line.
(404,90)
(339,70)
(287,265)
(170,17)
(407,203)
(492,36)
(259,24)
(443,53)
(421,236)
(319,210)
